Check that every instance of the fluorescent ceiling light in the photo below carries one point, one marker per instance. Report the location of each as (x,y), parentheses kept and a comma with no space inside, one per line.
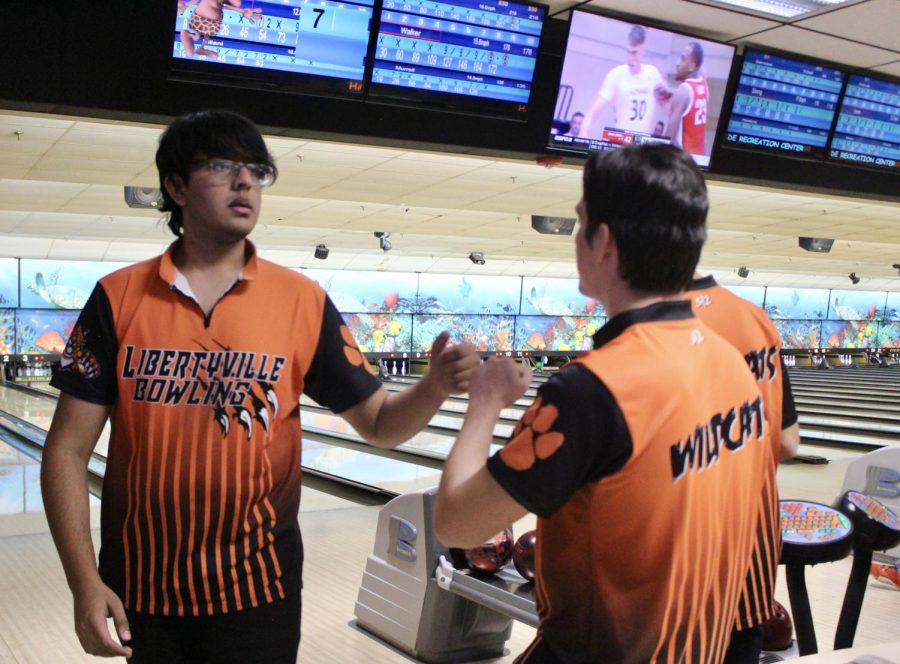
(790,9)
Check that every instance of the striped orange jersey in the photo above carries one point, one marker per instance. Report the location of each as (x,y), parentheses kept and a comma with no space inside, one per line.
(748,329)
(202,485)
(644,460)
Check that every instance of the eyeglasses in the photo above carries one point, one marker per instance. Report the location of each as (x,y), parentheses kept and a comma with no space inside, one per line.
(227,169)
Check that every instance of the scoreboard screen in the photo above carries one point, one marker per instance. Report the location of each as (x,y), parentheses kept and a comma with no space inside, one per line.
(868,125)
(783,105)
(468,55)
(299,45)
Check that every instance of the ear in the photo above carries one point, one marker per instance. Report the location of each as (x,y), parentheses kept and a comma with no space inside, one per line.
(175,187)
(603,243)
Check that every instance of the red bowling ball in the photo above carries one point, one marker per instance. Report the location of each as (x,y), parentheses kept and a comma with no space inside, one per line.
(523,554)
(778,631)
(489,557)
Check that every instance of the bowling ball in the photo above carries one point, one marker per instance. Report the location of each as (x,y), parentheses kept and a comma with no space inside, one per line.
(778,631)
(523,554)
(489,557)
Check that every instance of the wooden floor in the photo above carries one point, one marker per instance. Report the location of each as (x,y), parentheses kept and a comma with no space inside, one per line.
(36,607)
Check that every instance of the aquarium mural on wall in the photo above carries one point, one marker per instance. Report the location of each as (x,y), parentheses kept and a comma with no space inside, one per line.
(892,308)
(796,303)
(381,333)
(556,333)
(9,282)
(799,333)
(542,296)
(856,305)
(468,294)
(43,330)
(47,284)
(358,291)
(754,294)
(7,331)
(849,333)
(888,335)
(485,333)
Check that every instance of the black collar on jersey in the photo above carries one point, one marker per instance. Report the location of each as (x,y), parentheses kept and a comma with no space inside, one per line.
(658,311)
(703,283)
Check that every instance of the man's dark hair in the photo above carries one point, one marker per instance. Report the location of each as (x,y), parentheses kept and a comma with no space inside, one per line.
(577,114)
(196,136)
(653,199)
(637,35)
(696,54)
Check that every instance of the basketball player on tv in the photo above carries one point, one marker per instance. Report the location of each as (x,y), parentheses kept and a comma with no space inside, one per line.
(687,107)
(631,88)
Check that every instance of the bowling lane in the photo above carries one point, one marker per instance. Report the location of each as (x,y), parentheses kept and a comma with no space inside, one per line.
(37,409)
(371,470)
(426,443)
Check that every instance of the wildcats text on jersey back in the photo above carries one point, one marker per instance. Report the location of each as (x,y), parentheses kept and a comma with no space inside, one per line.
(701,449)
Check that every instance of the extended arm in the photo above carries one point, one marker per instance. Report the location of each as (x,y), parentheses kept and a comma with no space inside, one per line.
(790,433)
(677,106)
(790,442)
(73,433)
(386,420)
(592,116)
(471,506)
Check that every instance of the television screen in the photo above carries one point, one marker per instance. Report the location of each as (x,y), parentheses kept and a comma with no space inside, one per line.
(783,105)
(296,45)
(625,83)
(868,124)
(468,55)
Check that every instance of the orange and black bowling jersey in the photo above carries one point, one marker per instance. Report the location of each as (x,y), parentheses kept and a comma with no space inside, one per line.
(643,460)
(748,329)
(202,484)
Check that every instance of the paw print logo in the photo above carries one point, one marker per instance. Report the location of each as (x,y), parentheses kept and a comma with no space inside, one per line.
(532,438)
(351,350)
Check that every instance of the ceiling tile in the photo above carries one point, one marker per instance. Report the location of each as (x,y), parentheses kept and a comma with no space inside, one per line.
(875,23)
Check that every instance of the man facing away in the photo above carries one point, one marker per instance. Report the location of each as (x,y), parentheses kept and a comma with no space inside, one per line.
(199,358)
(631,89)
(750,331)
(643,459)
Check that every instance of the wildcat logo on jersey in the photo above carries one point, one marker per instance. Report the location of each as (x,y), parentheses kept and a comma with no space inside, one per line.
(732,430)
(238,385)
(76,357)
(763,363)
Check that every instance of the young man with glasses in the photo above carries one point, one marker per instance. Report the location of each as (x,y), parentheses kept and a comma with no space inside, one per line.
(199,358)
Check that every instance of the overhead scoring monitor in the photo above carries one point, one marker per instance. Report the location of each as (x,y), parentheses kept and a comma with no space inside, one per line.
(868,125)
(469,55)
(783,104)
(624,82)
(298,45)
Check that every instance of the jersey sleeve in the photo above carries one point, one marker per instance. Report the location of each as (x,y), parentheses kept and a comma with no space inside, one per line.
(572,435)
(788,407)
(609,86)
(338,377)
(87,367)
